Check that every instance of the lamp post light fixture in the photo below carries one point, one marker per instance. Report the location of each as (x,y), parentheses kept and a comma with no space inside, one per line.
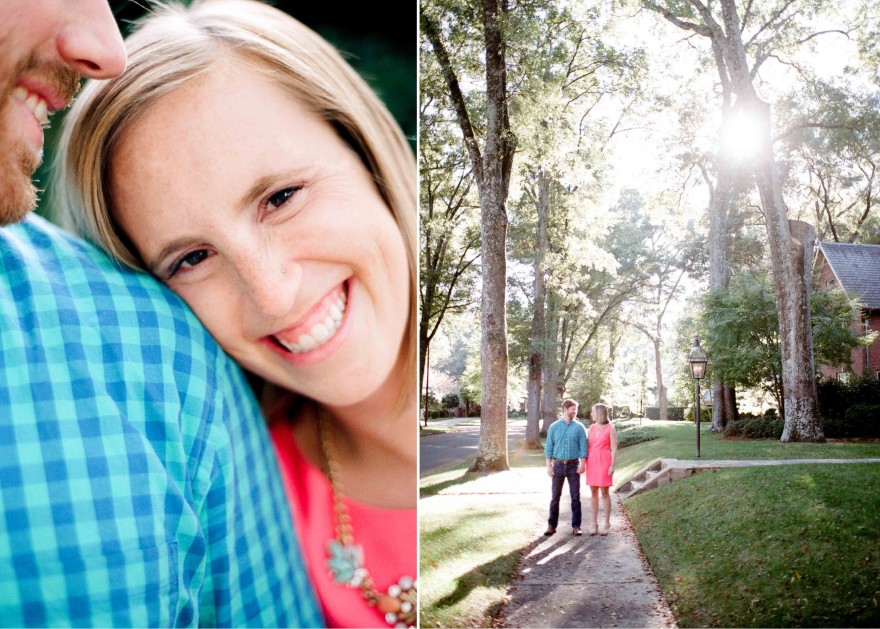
(698,360)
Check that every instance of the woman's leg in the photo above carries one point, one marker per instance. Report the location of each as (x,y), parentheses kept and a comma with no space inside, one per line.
(594,504)
(606,504)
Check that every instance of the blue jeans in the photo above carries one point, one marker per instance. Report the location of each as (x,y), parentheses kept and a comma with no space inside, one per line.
(561,472)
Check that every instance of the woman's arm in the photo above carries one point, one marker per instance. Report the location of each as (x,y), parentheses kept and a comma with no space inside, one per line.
(613,436)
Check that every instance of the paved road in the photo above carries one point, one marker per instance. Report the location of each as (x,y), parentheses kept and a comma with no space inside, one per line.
(442,451)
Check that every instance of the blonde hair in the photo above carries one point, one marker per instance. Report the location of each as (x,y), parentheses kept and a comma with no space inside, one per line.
(600,411)
(176,44)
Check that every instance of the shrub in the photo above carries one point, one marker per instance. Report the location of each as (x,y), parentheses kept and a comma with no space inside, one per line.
(622,412)
(771,413)
(755,428)
(859,420)
(836,397)
(621,425)
(450,400)
(705,415)
(636,435)
(675,413)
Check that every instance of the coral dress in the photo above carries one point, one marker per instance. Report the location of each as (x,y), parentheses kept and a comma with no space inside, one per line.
(389,536)
(599,455)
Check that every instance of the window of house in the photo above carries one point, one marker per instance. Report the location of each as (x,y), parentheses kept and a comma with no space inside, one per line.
(844,377)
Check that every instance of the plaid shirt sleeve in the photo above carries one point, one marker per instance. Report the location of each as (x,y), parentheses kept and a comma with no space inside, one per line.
(138,485)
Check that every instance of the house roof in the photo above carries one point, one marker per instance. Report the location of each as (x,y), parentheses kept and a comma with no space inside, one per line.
(857,268)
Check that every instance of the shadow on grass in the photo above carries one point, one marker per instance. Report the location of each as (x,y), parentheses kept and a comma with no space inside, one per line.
(431,490)
(495,573)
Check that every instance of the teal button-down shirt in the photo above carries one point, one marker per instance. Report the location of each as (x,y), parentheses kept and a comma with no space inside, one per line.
(566,441)
(138,484)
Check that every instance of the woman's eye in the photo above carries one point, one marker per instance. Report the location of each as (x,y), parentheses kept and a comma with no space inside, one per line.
(193,258)
(281,197)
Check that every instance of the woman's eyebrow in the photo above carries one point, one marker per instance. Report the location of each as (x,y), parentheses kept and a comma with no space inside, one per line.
(256,190)
(172,246)
(266,182)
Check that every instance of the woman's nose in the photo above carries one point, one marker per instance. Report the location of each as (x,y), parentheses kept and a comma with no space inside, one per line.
(271,287)
(90,42)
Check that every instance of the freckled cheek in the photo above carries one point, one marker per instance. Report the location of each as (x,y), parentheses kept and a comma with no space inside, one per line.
(219,313)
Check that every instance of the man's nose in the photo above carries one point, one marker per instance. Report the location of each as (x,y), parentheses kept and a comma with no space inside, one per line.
(90,42)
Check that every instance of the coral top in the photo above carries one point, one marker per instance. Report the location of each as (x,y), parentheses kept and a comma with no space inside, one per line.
(599,455)
(389,536)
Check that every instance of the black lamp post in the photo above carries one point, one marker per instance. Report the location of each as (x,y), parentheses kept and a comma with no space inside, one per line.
(698,361)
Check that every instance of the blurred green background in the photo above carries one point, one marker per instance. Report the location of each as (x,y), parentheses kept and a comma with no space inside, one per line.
(384,54)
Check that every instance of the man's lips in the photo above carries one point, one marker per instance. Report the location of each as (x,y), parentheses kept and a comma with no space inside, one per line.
(318,326)
(53,98)
(33,103)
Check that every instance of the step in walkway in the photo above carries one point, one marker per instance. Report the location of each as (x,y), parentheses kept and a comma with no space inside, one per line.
(661,472)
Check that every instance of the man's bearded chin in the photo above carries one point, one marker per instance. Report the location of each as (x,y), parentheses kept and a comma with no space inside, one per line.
(18,195)
(18,161)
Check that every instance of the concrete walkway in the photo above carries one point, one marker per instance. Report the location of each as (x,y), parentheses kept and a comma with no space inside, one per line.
(566,581)
(588,581)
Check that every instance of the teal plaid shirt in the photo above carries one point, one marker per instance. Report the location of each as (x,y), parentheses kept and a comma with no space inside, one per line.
(566,442)
(138,485)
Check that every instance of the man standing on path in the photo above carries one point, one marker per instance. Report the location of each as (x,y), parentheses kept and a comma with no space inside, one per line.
(138,484)
(566,452)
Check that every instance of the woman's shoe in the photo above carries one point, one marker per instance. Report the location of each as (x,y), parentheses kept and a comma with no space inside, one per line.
(605,528)
(594,529)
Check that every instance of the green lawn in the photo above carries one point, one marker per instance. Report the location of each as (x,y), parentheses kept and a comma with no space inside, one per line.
(779,536)
(470,548)
(787,546)
(678,441)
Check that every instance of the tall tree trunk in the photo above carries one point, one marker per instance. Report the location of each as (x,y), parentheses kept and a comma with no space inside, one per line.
(661,388)
(798,364)
(719,265)
(551,362)
(533,386)
(423,344)
(731,412)
(790,253)
(497,158)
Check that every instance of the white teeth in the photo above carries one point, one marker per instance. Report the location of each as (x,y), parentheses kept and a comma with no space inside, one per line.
(34,103)
(42,112)
(306,343)
(321,331)
(335,313)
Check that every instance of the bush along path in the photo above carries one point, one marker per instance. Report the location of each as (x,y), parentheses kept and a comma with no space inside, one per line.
(587,581)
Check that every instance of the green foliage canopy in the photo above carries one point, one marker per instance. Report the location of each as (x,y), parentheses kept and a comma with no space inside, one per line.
(742,335)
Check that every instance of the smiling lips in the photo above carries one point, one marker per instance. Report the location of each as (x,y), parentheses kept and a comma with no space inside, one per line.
(318,326)
(36,105)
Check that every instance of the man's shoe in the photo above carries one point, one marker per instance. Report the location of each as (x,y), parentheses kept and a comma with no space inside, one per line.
(577,531)
(550,530)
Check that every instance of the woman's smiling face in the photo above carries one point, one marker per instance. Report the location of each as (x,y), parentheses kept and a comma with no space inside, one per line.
(269,226)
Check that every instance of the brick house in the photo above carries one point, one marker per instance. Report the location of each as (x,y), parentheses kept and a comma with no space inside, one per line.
(856,268)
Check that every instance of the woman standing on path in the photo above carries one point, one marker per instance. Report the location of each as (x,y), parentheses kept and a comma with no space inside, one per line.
(602,442)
